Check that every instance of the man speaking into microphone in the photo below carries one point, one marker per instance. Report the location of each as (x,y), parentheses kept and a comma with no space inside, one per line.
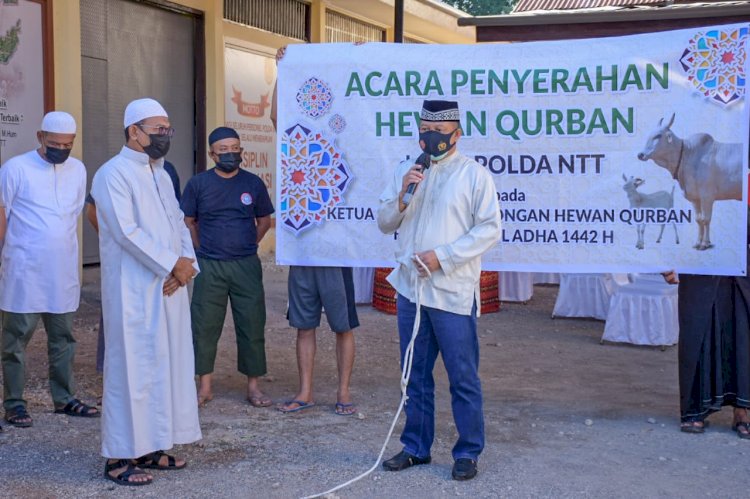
(451,219)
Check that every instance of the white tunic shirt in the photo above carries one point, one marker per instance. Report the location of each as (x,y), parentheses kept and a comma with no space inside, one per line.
(454,212)
(39,270)
(149,400)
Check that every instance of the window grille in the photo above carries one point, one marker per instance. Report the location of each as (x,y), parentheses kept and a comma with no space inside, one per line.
(341,28)
(289,18)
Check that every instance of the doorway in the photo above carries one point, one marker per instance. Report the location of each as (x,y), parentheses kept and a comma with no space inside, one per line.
(131,50)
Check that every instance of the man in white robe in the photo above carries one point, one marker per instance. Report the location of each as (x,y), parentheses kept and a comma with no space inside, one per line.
(41,198)
(147,258)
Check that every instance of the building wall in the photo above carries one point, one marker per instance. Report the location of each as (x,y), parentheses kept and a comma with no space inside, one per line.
(424,20)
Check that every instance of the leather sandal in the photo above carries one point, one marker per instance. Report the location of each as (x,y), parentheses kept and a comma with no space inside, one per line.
(15,416)
(78,409)
(151,461)
(124,477)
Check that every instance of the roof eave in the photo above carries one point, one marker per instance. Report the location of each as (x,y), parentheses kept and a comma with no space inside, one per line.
(625,15)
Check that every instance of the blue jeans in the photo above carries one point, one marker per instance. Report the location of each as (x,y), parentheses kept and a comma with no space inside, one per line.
(455,336)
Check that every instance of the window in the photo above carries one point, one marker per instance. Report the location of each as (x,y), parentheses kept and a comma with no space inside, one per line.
(341,28)
(284,17)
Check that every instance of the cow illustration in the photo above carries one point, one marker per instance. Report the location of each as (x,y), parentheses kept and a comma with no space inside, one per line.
(706,170)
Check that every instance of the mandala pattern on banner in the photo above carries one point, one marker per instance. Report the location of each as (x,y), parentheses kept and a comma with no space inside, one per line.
(314,98)
(314,178)
(337,123)
(715,64)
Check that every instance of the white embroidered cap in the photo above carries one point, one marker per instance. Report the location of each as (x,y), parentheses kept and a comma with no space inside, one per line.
(439,110)
(58,122)
(140,109)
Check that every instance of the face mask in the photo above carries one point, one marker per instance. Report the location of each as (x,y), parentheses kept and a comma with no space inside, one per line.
(55,155)
(229,161)
(436,144)
(159,146)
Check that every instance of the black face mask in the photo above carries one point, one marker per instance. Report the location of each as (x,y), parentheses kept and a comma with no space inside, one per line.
(159,146)
(55,155)
(229,161)
(436,144)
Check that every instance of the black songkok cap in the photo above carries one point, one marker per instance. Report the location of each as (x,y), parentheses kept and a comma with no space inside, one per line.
(439,110)
(223,132)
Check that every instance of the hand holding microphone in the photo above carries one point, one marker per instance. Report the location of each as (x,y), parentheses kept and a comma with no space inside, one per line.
(414,177)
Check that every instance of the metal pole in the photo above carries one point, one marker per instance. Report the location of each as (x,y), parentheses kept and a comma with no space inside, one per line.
(398,22)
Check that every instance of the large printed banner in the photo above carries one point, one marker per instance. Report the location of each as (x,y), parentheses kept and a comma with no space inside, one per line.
(616,154)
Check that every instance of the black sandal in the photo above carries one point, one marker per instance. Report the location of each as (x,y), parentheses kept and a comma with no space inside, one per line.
(124,477)
(742,425)
(690,426)
(14,415)
(151,461)
(76,408)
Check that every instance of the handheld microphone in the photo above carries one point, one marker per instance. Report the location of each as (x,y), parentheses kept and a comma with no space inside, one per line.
(424,160)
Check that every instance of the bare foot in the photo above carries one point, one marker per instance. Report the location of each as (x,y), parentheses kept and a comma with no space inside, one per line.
(259,399)
(205,394)
(255,395)
(204,399)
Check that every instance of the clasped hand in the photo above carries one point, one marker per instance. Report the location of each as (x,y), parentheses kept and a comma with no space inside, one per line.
(181,274)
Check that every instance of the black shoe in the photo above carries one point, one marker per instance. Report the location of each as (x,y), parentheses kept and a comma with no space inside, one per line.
(404,460)
(464,469)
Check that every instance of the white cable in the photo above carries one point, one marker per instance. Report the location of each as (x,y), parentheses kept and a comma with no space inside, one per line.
(405,375)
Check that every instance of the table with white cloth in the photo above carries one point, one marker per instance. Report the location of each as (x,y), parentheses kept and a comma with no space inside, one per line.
(586,295)
(516,286)
(364,278)
(643,313)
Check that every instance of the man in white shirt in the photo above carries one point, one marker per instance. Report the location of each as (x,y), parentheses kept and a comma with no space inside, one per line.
(41,196)
(147,259)
(452,218)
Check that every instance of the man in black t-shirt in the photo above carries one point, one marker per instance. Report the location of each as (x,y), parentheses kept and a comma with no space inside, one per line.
(228,211)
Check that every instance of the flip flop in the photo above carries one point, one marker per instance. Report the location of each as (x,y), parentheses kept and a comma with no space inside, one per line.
(262,401)
(343,409)
(301,405)
(742,424)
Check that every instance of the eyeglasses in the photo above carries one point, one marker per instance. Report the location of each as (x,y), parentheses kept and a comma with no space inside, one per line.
(160,130)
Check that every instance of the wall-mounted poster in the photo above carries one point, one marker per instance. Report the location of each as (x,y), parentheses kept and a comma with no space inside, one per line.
(249,79)
(21,76)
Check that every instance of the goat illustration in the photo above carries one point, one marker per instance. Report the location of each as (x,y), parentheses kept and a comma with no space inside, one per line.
(659,199)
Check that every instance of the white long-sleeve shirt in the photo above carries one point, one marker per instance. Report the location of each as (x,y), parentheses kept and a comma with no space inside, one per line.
(454,212)
(39,271)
